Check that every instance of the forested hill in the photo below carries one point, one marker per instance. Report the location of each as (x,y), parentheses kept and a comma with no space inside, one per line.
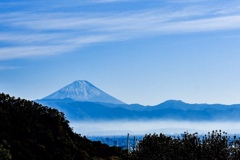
(29,130)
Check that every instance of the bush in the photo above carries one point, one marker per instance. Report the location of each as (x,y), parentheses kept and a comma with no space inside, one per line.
(213,146)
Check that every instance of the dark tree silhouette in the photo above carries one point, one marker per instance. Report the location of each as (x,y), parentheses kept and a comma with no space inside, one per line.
(213,146)
(36,132)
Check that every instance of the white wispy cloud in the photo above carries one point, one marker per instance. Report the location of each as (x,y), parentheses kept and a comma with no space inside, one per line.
(27,34)
(8,68)
(29,51)
(108,1)
(60,46)
(25,38)
(185,1)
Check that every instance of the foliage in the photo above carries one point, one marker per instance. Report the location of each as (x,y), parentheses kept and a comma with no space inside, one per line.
(5,153)
(213,146)
(36,132)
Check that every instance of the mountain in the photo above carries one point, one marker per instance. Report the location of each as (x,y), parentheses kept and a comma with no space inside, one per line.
(169,110)
(82,90)
(81,100)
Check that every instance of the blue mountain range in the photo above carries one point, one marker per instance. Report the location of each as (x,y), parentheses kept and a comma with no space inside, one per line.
(81,100)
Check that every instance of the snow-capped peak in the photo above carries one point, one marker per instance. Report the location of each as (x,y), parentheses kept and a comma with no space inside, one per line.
(82,90)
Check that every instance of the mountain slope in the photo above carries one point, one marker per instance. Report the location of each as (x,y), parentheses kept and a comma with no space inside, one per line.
(83,91)
(32,131)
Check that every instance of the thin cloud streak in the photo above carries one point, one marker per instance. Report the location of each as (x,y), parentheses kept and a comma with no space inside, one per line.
(48,33)
(108,1)
(8,68)
(63,47)
(23,38)
(186,1)
(29,51)
(211,24)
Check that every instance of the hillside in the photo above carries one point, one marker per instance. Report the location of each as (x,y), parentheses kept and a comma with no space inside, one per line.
(32,131)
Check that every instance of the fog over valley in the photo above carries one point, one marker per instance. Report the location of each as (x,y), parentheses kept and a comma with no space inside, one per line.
(156,126)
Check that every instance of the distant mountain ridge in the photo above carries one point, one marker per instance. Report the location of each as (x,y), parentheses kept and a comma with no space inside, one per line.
(76,110)
(82,90)
(81,100)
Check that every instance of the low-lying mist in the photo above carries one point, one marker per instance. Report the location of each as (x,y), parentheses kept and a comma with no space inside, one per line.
(154,126)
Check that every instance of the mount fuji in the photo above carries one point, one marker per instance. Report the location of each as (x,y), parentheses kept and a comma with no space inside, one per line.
(81,100)
(84,91)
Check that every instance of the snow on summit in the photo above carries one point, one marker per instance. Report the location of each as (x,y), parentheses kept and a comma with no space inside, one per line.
(82,90)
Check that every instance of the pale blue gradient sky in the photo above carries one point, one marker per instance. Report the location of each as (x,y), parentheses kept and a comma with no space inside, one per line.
(143,52)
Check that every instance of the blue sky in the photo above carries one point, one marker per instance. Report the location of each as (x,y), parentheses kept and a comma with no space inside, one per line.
(139,51)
